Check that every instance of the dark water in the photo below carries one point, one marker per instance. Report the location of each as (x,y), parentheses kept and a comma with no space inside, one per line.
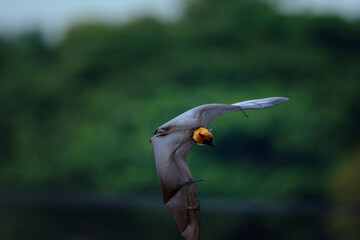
(54,217)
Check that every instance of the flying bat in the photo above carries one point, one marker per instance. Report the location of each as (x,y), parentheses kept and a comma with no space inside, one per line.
(172,143)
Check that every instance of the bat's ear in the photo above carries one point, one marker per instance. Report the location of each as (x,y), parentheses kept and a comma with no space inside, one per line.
(210,130)
(201,135)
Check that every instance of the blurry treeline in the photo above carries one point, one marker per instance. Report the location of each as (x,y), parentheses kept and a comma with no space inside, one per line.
(77,117)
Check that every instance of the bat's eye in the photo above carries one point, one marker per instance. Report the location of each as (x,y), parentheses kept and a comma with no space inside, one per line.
(207,141)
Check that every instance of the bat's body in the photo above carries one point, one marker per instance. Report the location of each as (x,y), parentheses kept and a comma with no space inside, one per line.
(172,143)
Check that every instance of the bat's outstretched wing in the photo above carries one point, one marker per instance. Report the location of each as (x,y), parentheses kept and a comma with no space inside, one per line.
(179,194)
(207,113)
(172,144)
(203,115)
(261,103)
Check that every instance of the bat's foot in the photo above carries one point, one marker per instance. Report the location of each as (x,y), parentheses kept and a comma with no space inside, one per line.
(193,181)
(245,113)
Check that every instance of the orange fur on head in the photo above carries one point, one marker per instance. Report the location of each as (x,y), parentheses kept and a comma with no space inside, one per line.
(201,134)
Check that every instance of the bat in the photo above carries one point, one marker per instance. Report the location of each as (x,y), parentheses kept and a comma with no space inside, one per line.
(172,143)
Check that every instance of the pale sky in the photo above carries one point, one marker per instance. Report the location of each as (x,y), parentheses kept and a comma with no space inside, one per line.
(348,9)
(53,18)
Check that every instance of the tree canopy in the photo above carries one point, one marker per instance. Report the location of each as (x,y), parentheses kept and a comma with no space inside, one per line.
(78,116)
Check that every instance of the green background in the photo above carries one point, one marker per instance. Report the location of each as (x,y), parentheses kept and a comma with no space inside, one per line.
(76,119)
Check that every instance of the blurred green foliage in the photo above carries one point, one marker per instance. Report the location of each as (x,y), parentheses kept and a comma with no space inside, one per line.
(78,116)
(345,183)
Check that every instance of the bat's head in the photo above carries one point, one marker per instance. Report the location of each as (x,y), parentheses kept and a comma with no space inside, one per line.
(202,136)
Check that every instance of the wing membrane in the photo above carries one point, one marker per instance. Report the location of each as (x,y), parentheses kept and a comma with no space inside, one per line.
(178,188)
(207,113)
(261,103)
